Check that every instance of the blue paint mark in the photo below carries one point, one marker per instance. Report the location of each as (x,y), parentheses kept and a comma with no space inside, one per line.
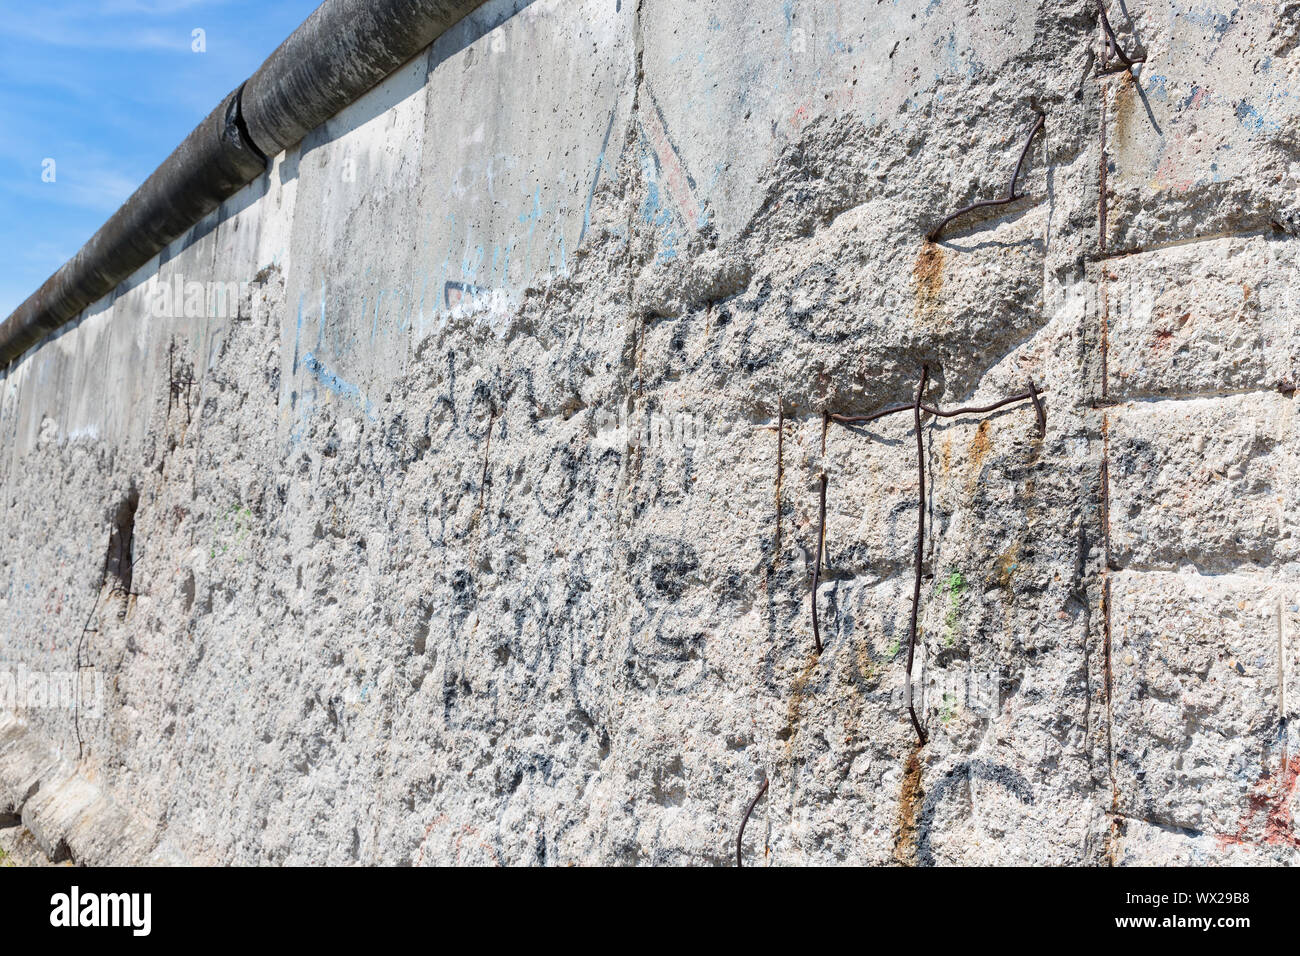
(657,215)
(297,335)
(505,267)
(531,218)
(1249,117)
(374,325)
(334,384)
(320,332)
(1217,22)
(469,266)
(410,312)
(600,162)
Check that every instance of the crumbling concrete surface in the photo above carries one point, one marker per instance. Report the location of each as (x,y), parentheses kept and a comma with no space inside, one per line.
(474,521)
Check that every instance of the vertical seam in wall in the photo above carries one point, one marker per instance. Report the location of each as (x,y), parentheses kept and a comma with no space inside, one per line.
(624,508)
(1106,601)
(1103,288)
(1107,631)
(106,352)
(1281,672)
(1102,212)
(1103,319)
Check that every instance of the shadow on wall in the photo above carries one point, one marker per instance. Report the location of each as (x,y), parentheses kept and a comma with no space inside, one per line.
(385,97)
(120,560)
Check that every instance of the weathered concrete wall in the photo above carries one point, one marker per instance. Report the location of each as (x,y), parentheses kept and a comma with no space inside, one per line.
(472,537)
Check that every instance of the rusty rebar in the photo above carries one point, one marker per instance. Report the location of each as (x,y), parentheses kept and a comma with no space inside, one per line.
(920,548)
(1112,42)
(817,562)
(81,642)
(940,413)
(745,820)
(978,409)
(864,419)
(1010,197)
(917,407)
(181,380)
(1038,409)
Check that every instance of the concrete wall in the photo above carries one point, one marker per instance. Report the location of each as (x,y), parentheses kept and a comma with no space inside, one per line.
(472,538)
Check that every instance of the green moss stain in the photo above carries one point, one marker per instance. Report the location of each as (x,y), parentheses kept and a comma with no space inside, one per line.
(233,530)
(949,708)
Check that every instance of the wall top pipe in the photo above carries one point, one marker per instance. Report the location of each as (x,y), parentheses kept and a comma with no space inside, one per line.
(341,51)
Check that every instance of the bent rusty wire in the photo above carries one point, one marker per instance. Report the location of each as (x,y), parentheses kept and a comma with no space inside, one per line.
(920,548)
(917,407)
(1010,197)
(817,563)
(1112,42)
(745,820)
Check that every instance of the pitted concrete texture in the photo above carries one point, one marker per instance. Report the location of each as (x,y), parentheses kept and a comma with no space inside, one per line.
(484,532)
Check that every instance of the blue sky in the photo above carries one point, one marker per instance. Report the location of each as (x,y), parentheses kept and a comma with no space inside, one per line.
(106,89)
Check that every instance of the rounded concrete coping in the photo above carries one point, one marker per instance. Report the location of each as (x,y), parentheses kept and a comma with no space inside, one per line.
(344,49)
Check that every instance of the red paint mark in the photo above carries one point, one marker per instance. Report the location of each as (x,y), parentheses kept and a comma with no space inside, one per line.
(836,101)
(438,821)
(466,830)
(676,178)
(1272,796)
(1170,175)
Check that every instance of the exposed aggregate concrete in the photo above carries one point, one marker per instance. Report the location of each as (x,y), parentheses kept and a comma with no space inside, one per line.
(524,579)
